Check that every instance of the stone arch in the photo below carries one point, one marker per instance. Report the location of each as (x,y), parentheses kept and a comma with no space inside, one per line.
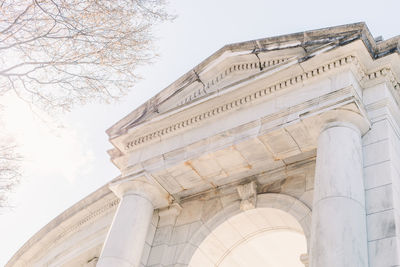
(281,204)
(300,211)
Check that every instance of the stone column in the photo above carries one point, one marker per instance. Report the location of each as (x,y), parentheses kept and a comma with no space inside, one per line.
(338,231)
(127,235)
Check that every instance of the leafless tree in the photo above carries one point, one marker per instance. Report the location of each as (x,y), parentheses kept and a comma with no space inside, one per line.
(55,54)
(9,171)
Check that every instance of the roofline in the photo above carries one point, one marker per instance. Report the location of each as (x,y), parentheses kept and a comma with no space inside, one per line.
(359,30)
(55,223)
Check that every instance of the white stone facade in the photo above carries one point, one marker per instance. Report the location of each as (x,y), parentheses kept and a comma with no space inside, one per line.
(296,133)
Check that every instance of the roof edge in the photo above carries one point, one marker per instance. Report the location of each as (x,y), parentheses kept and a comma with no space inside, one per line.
(359,29)
(69,213)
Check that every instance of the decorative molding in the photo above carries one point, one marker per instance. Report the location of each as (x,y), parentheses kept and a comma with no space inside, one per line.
(245,66)
(364,78)
(91,216)
(75,227)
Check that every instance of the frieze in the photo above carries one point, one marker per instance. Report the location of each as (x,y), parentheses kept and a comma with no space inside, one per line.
(92,215)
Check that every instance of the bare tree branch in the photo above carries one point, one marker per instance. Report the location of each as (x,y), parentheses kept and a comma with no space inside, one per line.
(9,171)
(68,52)
(55,54)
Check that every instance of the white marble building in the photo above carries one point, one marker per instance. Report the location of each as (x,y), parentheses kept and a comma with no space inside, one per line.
(296,134)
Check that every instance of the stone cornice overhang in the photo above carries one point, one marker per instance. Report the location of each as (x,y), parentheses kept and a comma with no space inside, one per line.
(308,41)
(328,59)
(67,223)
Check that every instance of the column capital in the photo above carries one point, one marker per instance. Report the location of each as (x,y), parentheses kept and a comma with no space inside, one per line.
(343,117)
(341,124)
(141,184)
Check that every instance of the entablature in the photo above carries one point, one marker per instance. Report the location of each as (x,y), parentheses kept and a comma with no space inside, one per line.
(304,45)
(261,87)
(255,124)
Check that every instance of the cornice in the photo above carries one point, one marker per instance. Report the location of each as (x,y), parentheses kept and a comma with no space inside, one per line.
(364,79)
(46,237)
(110,205)
(307,41)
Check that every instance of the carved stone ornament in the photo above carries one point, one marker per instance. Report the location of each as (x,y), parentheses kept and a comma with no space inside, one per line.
(248,194)
(304,259)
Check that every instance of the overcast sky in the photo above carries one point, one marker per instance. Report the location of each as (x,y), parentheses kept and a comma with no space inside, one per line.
(63,165)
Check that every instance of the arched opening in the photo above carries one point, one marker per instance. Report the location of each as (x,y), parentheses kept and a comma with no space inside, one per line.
(265,237)
(271,248)
(275,233)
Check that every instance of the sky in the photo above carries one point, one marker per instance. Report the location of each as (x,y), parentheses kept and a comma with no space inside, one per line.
(63,165)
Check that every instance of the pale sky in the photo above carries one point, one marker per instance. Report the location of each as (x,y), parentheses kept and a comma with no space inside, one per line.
(63,165)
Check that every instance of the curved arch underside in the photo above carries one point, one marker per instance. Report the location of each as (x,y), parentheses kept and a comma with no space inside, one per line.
(257,237)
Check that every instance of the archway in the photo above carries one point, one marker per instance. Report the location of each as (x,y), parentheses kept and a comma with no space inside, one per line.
(275,233)
(271,248)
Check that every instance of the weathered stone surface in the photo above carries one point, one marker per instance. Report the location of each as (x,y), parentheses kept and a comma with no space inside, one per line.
(254,113)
